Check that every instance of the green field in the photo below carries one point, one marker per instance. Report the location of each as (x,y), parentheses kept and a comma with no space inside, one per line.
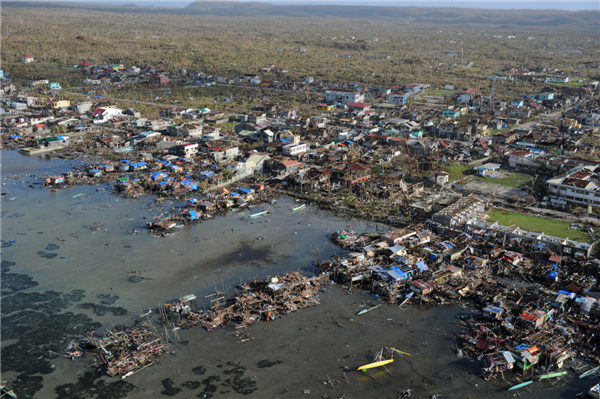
(556,228)
(456,171)
(512,180)
(440,92)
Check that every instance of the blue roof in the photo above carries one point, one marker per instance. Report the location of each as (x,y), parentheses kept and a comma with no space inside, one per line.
(234,194)
(553,274)
(245,190)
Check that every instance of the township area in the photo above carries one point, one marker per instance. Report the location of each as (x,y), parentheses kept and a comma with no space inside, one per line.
(481,191)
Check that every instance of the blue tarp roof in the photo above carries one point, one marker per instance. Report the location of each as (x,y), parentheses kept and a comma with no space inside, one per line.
(553,274)
(234,194)
(245,190)
(399,271)
(421,266)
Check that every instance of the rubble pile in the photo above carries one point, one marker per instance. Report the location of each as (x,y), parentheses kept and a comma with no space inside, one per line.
(259,300)
(525,319)
(123,353)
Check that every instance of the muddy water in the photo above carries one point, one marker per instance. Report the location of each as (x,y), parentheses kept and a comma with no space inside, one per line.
(66,263)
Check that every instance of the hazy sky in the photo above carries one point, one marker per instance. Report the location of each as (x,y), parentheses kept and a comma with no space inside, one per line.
(492,4)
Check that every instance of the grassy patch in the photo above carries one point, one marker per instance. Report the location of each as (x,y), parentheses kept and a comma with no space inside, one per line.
(512,180)
(440,92)
(553,227)
(456,171)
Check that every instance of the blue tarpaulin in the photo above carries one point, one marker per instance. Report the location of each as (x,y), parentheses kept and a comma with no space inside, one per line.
(421,266)
(553,274)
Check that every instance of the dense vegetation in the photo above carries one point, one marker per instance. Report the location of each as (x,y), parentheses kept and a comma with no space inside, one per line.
(374,51)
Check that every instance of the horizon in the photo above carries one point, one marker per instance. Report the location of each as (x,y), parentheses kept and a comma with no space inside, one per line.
(476,4)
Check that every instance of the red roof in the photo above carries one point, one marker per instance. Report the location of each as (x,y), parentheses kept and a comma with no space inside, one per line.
(289,162)
(359,105)
(471,90)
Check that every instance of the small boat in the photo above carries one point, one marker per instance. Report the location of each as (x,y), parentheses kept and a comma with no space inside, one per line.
(552,375)
(589,372)
(375,364)
(401,352)
(408,296)
(368,310)
(521,385)
(299,207)
(257,214)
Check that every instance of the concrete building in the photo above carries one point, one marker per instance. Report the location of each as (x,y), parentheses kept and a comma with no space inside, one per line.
(578,187)
(343,96)
(295,149)
(460,212)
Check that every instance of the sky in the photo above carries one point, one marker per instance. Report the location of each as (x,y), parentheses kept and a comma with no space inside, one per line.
(489,4)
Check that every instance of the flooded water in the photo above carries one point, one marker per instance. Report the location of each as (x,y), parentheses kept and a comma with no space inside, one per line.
(67,258)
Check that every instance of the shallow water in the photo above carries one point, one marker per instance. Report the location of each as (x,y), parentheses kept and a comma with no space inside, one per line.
(67,272)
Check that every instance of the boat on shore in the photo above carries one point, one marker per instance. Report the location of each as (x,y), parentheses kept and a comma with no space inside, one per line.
(299,207)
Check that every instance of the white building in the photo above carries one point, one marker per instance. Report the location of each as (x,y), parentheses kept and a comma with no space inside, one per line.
(579,187)
(343,96)
(295,149)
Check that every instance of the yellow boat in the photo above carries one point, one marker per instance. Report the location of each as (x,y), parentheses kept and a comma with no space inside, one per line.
(375,364)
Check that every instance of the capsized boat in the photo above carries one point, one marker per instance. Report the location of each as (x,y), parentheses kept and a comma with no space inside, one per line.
(375,364)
